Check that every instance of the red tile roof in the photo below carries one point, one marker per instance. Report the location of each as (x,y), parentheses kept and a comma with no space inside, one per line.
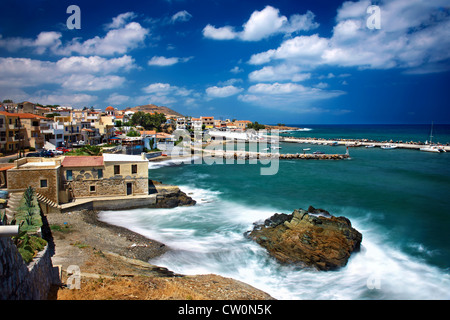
(82,161)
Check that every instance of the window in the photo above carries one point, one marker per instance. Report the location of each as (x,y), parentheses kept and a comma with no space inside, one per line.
(44,183)
(92,188)
(100,173)
(116,169)
(69,175)
(134,168)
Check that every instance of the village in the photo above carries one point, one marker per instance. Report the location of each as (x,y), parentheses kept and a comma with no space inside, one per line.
(67,154)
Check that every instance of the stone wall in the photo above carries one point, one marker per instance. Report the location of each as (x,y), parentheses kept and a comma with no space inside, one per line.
(20,179)
(109,187)
(19,281)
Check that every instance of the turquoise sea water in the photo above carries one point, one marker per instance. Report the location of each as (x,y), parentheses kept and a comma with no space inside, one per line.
(398,199)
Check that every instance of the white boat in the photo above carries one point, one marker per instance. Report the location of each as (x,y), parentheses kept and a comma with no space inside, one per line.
(430,147)
(370,146)
(334,143)
(389,146)
(276,147)
(306,149)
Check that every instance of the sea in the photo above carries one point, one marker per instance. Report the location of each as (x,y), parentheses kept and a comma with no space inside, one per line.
(398,199)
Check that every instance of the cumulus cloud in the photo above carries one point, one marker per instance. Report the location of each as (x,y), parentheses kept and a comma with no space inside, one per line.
(89,82)
(120,38)
(164,62)
(414,36)
(223,33)
(222,92)
(263,24)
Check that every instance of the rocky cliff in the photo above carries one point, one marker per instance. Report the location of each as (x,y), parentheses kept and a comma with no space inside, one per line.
(312,238)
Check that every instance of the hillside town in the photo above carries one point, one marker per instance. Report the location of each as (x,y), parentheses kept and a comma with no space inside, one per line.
(31,127)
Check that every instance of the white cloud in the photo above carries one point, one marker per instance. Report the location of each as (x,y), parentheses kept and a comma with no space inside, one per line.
(223,33)
(76,100)
(88,82)
(182,16)
(163,61)
(279,73)
(263,24)
(165,93)
(121,20)
(414,35)
(222,92)
(116,41)
(117,99)
(287,96)
(44,41)
(95,64)
(236,69)
(121,38)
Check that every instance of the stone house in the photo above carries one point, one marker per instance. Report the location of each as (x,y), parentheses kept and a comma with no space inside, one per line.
(107,175)
(43,174)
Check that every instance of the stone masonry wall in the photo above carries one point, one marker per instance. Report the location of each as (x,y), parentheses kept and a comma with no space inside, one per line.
(19,281)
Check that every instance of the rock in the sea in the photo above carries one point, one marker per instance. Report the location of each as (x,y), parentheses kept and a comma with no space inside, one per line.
(312,238)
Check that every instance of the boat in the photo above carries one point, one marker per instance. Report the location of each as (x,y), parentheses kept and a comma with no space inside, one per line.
(318,152)
(431,147)
(306,149)
(389,146)
(334,143)
(370,146)
(276,147)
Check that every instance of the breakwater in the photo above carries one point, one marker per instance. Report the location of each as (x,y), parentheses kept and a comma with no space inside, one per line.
(358,143)
(249,155)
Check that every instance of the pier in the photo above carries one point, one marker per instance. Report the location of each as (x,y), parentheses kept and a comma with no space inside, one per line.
(248,155)
(358,143)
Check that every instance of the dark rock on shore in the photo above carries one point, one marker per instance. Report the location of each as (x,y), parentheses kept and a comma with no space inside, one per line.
(173,199)
(312,238)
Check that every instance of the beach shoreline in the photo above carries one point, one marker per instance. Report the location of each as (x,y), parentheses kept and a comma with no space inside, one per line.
(116,258)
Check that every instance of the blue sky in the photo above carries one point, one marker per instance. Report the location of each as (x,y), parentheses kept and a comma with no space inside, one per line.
(295,62)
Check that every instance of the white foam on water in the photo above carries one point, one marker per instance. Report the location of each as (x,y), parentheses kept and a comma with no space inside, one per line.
(208,238)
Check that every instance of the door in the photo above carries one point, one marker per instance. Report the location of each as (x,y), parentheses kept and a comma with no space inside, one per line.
(129,188)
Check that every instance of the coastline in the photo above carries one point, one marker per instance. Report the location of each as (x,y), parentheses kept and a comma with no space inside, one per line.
(116,258)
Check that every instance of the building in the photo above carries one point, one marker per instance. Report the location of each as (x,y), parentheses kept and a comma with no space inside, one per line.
(242,124)
(32,135)
(62,179)
(53,132)
(107,175)
(11,132)
(43,174)
(208,122)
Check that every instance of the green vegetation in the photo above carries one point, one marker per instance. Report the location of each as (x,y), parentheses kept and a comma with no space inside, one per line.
(28,245)
(256,126)
(148,121)
(133,133)
(29,216)
(29,212)
(87,150)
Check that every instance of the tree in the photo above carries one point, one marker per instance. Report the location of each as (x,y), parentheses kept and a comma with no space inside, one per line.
(256,126)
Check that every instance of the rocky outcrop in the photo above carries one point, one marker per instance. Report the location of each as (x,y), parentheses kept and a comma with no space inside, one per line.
(312,238)
(172,199)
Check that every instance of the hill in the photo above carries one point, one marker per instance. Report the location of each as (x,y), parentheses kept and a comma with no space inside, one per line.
(148,108)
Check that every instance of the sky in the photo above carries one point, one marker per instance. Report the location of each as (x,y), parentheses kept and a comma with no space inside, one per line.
(285,61)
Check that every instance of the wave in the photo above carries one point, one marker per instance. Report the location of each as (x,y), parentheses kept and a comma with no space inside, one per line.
(208,238)
(171,162)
